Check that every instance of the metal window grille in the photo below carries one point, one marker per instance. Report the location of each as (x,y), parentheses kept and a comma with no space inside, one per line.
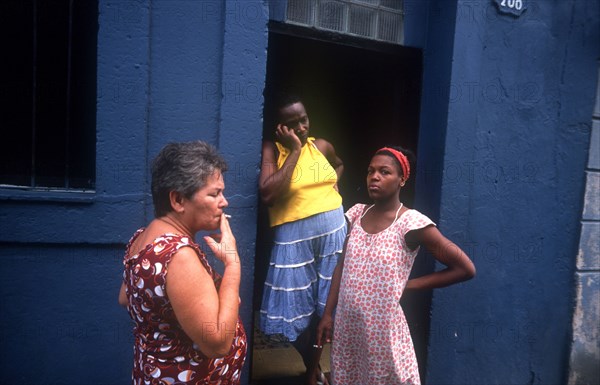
(48,105)
(372,19)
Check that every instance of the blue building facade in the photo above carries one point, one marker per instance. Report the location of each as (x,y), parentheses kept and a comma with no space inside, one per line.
(503,117)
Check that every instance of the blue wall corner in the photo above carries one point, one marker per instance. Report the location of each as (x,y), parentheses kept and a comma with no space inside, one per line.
(520,89)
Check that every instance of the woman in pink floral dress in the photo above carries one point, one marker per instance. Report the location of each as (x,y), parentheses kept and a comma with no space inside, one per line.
(371,340)
(186,316)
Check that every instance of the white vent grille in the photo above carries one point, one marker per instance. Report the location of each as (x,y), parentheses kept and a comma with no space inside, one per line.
(372,19)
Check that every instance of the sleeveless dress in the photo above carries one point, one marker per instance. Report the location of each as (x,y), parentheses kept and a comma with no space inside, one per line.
(163,353)
(371,341)
(309,229)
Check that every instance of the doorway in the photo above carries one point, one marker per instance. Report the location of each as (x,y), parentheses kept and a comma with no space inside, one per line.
(360,95)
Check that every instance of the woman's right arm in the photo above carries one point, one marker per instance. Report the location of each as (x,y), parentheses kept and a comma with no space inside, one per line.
(208,317)
(325,327)
(274,182)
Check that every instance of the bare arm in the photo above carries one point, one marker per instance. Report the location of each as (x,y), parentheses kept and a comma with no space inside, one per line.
(208,317)
(458,265)
(272,182)
(325,327)
(123,301)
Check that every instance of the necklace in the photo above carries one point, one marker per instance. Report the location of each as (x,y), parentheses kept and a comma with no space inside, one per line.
(369,237)
(176,226)
(395,219)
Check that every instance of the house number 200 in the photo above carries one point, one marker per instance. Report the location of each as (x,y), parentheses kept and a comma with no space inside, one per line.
(515,4)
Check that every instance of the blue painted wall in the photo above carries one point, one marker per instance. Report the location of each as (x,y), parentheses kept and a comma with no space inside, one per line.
(521,93)
(167,70)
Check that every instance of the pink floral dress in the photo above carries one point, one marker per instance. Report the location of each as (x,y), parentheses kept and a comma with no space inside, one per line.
(371,342)
(163,353)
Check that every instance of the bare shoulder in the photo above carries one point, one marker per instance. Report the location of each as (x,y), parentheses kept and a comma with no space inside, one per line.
(269,152)
(268,145)
(185,255)
(323,145)
(185,266)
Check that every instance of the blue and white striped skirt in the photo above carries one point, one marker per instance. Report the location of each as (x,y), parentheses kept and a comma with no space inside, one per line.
(303,257)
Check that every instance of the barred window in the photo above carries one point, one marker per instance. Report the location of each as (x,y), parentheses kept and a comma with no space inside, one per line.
(372,19)
(48,88)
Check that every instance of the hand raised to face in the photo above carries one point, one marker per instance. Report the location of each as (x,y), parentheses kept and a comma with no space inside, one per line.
(224,245)
(287,137)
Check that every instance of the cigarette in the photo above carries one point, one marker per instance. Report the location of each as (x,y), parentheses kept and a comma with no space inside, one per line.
(227,216)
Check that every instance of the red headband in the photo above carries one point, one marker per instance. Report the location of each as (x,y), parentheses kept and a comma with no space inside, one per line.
(401,158)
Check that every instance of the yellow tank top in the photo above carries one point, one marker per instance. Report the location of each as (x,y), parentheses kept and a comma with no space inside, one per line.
(311,187)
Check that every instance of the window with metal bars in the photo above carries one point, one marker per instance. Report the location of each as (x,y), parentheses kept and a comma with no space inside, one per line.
(380,20)
(48,93)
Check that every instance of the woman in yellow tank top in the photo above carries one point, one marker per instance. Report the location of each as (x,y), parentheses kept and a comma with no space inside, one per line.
(298,183)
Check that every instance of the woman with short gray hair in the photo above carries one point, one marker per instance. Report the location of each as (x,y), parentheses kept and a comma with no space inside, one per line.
(187,326)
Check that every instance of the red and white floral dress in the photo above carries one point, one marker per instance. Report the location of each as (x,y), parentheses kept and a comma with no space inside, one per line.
(163,352)
(371,342)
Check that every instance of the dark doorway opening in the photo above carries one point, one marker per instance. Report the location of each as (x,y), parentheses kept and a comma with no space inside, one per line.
(360,96)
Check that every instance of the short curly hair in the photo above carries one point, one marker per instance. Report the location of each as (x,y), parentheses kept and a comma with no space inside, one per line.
(183,167)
